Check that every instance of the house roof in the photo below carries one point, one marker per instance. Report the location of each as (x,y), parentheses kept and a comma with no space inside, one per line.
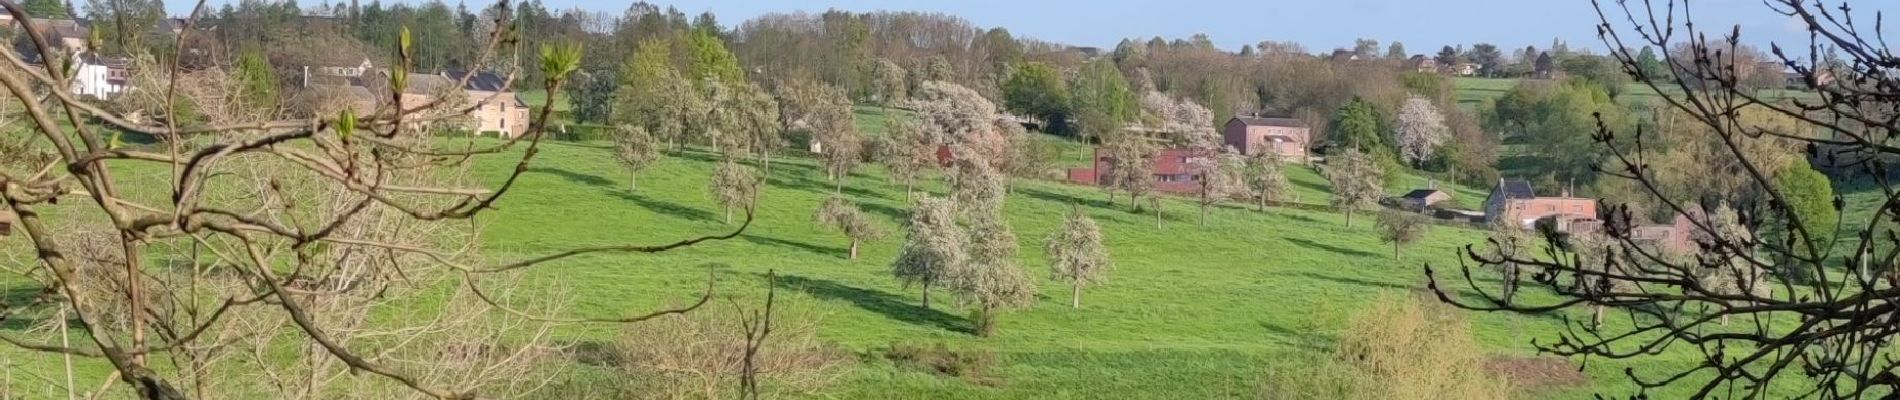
(1516,189)
(1423,193)
(481,81)
(1280,122)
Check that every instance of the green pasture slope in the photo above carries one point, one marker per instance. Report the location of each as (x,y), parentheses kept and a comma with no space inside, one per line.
(1190,311)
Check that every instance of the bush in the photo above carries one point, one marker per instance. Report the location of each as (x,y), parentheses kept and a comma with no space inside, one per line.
(700,355)
(1398,348)
(974,366)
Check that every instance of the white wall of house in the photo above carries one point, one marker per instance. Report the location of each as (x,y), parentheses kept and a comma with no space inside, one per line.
(95,80)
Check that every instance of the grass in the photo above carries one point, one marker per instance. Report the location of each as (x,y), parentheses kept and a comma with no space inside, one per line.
(1190,311)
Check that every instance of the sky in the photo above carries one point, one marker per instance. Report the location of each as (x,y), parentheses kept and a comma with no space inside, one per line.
(1320,25)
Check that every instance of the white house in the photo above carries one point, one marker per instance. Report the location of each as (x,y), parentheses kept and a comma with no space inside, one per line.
(99,77)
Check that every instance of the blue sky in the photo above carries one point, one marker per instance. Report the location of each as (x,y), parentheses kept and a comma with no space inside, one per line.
(1423,25)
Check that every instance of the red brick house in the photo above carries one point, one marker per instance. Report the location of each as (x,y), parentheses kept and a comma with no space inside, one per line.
(1255,135)
(1515,201)
(1173,171)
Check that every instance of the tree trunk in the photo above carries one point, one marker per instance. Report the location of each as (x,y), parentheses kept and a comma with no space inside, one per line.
(1157,201)
(1203,213)
(728,214)
(1263,203)
(854,248)
(840,188)
(1395,249)
(1348,218)
(1596,318)
(926,294)
(633,182)
(909,183)
(985,321)
(1510,282)
(1075,296)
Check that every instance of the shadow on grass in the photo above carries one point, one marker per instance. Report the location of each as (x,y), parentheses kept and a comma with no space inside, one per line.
(20,297)
(1335,249)
(1063,198)
(667,207)
(839,252)
(576,177)
(1353,281)
(1314,186)
(891,306)
(898,214)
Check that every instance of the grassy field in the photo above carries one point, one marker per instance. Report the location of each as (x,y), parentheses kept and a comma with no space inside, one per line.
(1190,311)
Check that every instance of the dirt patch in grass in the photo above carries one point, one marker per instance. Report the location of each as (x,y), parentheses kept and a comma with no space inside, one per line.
(1537,373)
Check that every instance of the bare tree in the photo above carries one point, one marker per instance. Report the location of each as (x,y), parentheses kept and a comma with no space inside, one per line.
(636,150)
(1401,228)
(1356,182)
(934,246)
(253,264)
(1077,255)
(841,214)
(1825,328)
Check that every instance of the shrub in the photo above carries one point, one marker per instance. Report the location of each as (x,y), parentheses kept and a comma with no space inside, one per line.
(974,366)
(1398,348)
(700,355)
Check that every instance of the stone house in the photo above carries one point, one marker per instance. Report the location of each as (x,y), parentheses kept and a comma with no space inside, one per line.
(1255,135)
(503,113)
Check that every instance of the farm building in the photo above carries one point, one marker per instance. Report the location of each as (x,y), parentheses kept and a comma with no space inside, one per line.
(1254,135)
(1423,198)
(1172,171)
(1514,200)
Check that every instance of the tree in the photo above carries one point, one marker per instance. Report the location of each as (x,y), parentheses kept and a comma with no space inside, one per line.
(1359,126)
(1401,228)
(260,86)
(990,278)
(1103,101)
(592,97)
(1421,130)
(906,152)
(1487,55)
(1812,216)
(1396,51)
(1447,57)
(1603,71)
(824,112)
(1223,178)
(934,246)
(1266,178)
(1825,334)
(1036,89)
(840,214)
(123,24)
(1130,166)
(887,83)
(1357,182)
(1649,65)
(733,186)
(636,150)
(1077,255)
(1366,49)
(658,97)
(49,9)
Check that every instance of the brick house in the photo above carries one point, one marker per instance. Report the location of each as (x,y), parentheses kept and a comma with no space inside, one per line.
(1255,135)
(504,113)
(1515,201)
(1173,171)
